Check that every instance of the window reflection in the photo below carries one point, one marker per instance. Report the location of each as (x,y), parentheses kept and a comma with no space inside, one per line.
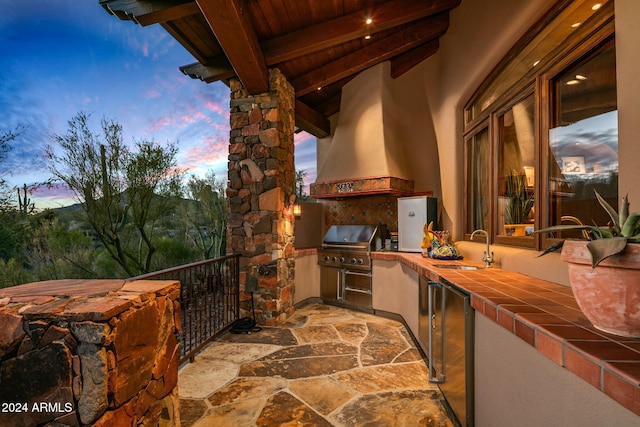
(478,163)
(583,144)
(516,172)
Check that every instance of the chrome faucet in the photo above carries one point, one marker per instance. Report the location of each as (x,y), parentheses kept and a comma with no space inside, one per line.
(488,256)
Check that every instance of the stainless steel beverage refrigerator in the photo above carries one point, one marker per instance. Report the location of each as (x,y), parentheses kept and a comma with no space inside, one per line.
(446,333)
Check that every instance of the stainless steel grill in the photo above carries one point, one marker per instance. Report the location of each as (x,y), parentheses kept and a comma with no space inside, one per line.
(345,264)
(348,246)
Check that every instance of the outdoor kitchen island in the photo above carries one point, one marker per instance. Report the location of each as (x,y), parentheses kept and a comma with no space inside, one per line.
(538,361)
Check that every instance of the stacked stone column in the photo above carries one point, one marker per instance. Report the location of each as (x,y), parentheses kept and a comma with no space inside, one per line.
(261,194)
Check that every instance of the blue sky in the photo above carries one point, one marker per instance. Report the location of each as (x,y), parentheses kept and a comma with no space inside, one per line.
(65,56)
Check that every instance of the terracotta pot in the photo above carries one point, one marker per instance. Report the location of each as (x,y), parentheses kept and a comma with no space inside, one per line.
(609,295)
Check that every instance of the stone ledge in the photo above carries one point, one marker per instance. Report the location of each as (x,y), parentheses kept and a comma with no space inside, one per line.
(90,352)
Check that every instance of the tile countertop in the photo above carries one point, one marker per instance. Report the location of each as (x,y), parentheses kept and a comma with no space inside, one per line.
(547,317)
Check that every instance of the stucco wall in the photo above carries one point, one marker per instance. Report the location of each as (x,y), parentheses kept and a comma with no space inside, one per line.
(525,261)
(365,142)
(395,290)
(309,226)
(553,396)
(627,64)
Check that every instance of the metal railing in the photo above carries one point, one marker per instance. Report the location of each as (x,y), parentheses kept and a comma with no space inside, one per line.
(209,300)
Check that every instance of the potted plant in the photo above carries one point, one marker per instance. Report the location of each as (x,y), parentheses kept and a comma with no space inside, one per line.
(518,204)
(605,271)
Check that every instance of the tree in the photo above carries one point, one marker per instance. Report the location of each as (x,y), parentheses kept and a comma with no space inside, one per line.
(6,196)
(14,230)
(123,190)
(207,219)
(301,174)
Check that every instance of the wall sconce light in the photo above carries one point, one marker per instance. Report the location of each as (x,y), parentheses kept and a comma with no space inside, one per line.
(297,210)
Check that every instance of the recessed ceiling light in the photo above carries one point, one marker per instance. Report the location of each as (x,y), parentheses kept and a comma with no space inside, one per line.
(575,25)
(536,63)
(368,21)
(596,6)
(573,82)
(367,37)
(319,87)
(580,77)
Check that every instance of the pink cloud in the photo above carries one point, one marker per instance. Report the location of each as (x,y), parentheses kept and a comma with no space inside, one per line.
(216,107)
(301,137)
(152,93)
(210,151)
(187,118)
(201,116)
(54,197)
(161,122)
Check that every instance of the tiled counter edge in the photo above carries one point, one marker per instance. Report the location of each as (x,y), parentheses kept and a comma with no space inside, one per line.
(546,316)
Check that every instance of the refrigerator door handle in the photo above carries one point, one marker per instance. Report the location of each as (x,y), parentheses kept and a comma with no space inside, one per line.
(436,376)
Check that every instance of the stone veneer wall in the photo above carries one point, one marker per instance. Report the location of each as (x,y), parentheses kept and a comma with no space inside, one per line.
(93,352)
(261,196)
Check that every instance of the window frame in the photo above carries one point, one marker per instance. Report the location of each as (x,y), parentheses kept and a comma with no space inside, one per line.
(590,36)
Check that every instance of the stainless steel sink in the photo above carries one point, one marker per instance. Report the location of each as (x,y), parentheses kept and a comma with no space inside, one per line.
(457,266)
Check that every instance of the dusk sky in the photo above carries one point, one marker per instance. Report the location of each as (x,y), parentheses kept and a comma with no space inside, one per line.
(65,56)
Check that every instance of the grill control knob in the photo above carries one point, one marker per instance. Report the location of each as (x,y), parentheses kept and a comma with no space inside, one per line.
(341,259)
(353,260)
(326,258)
(360,261)
(334,259)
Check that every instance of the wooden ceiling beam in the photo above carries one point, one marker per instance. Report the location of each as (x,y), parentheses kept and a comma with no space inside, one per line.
(330,106)
(231,25)
(339,30)
(349,27)
(148,12)
(406,61)
(311,121)
(372,54)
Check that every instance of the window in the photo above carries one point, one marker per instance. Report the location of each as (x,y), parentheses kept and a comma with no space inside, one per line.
(583,140)
(541,131)
(477,181)
(516,169)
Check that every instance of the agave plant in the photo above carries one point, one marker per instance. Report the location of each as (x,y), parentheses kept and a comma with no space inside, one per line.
(519,200)
(610,239)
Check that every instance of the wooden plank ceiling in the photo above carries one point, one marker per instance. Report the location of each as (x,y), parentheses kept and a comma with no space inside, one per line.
(319,45)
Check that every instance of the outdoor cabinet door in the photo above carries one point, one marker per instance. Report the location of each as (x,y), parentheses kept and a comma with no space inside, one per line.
(330,283)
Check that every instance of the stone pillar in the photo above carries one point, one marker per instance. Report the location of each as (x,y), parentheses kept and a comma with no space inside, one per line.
(261,194)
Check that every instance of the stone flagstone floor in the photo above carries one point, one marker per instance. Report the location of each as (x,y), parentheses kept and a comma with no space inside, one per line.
(325,366)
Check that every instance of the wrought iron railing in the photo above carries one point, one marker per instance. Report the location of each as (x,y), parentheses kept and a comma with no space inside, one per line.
(209,300)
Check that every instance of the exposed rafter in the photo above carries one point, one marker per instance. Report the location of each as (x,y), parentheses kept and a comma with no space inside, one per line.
(383,50)
(231,26)
(349,27)
(209,73)
(148,12)
(311,121)
(315,43)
